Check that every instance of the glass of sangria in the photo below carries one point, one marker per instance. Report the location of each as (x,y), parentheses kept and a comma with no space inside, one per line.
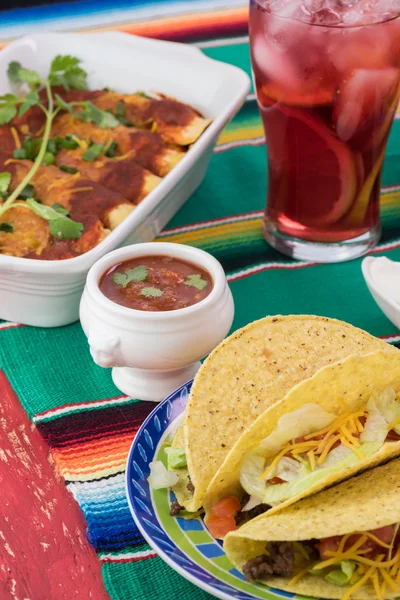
(327,76)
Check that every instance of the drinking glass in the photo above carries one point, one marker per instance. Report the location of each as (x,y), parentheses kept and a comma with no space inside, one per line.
(327,76)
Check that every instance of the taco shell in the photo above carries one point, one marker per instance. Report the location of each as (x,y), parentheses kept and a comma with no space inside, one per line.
(341,388)
(366,502)
(247,373)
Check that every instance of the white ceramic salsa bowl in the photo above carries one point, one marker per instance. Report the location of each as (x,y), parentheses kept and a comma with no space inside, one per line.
(153,353)
(47,293)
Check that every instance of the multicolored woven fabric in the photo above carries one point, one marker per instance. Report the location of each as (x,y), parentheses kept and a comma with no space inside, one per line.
(89,427)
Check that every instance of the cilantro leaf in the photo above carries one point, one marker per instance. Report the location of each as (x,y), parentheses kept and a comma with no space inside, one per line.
(63,63)
(65,228)
(151,292)
(48,158)
(27,192)
(8,108)
(68,169)
(31,99)
(120,279)
(93,152)
(61,226)
(196,281)
(111,150)
(137,274)
(66,72)
(32,78)
(61,103)
(13,70)
(60,209)
(6,227)
(93,114)
(90,113)
(5,180)
(17,74)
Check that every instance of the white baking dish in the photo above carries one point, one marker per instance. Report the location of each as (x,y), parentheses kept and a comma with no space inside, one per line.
(47,293)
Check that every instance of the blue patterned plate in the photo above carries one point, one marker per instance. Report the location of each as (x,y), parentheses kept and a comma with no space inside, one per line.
(185,545)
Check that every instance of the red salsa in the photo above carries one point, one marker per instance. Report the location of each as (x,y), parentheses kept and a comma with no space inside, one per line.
(156,283)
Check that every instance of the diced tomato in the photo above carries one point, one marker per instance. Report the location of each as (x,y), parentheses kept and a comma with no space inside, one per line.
(221,519)
(275,480)
(219,527)
(392,435)
(385,534)
(226,507)
(331,544)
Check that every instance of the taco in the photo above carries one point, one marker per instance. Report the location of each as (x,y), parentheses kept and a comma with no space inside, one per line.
(343,420)
(340,543)
(247,373)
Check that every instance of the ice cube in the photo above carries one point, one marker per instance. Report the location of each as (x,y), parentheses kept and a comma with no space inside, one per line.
(326,16)
(274,63)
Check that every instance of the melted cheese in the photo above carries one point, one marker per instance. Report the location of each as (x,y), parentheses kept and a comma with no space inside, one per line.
(16,137)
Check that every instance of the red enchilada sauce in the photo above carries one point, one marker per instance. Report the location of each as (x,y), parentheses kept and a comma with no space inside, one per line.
(156,283)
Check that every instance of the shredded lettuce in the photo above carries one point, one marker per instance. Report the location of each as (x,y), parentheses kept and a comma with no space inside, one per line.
(176,458)
(251,469)
(252,503)
(342,575)
(307,419)
(388,406)
(376,427)
(278,493)
(336,455)
(288,469)
(159,476)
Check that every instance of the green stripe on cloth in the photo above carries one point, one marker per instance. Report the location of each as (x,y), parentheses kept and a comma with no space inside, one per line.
(153,578)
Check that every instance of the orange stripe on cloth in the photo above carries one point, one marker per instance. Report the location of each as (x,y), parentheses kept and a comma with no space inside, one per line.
(171,27)
(99,458)
(168,26)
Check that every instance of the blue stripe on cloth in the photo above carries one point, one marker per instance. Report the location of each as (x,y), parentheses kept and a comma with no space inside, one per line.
(95,13)
(106,510)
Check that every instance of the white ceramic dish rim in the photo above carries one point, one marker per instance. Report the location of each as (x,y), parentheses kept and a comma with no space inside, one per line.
(179,251)
(365,267)
(116,237)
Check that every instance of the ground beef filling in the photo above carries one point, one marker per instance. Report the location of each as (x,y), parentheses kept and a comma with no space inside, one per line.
(246,515)
(175,508)
(279,561)
(243,516)
(190,486)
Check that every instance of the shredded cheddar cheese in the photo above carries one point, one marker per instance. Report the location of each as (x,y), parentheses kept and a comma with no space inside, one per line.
(15,135)
(81,143)
(345,430)
(82,189)
(311,458)
(298,448)
(381,572)
(126,155)
(299,576)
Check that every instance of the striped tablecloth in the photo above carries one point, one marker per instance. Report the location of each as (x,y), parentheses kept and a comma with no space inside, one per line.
(88,425)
